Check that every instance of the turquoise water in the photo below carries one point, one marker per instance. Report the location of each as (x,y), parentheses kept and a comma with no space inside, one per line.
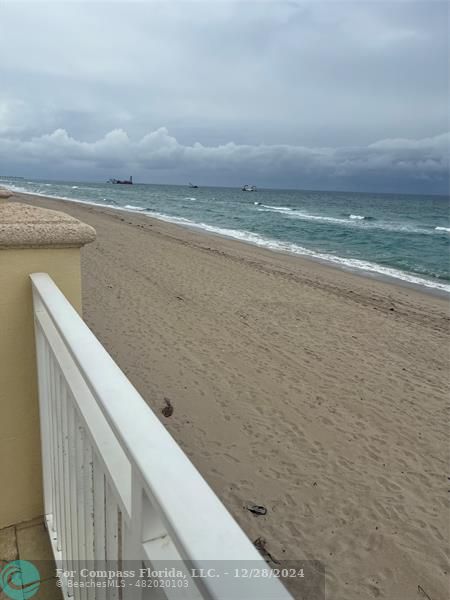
(402,236)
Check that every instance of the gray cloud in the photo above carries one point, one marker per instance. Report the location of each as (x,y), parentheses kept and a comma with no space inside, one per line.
(402,160)
(305,91)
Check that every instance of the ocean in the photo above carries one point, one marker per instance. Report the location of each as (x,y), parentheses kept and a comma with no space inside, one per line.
(405,237)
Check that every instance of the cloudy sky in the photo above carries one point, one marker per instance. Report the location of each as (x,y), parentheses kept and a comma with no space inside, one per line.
(319,95)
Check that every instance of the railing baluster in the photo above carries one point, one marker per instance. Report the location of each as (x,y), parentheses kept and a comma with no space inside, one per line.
(132,538)
(51,464)
(57,455)
(72,464)
(65,499)
(112,537)
(61,543)
(52,412)
(79,441)
(89,507)
(99,522)
(66,481)
(41,356)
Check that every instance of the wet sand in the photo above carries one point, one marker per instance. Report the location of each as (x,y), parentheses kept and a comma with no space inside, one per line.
(312,391)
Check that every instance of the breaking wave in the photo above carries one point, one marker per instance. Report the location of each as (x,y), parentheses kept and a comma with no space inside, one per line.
(366,222)
(132,207)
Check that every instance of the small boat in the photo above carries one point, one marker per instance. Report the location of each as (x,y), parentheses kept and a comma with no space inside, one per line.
(191,185)
(122,181)
(249,188)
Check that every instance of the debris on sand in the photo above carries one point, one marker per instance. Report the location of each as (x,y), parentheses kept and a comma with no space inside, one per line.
(260,544)
(256,509)
(167,411)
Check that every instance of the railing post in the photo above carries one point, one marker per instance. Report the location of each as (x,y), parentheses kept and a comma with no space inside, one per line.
(31,239)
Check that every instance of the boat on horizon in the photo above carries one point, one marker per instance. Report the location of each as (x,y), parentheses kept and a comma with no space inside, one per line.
(191,185)
(121,181)
(248,188)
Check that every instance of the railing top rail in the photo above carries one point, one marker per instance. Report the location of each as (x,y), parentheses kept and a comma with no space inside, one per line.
(204,528)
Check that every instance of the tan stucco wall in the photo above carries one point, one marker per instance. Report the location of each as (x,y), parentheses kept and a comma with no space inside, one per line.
(20,455)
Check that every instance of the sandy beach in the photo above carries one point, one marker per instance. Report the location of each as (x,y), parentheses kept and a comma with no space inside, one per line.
(314,392)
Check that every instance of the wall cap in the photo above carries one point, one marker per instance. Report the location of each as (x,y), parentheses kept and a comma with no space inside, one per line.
(25,226)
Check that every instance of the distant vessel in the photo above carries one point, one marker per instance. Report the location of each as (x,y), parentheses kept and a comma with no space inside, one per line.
(191,185)
(249,188)
(122,181)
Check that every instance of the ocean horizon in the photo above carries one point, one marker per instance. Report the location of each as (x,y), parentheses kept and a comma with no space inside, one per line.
(405,237)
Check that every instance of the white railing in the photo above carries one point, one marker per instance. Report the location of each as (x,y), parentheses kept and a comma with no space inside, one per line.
(119,492)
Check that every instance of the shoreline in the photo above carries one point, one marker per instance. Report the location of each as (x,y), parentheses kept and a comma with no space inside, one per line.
(316,393)
(327,262)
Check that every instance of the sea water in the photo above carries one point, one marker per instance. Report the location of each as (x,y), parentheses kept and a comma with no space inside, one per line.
(406,237)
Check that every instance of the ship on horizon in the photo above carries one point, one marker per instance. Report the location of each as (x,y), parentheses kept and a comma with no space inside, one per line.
(122,181)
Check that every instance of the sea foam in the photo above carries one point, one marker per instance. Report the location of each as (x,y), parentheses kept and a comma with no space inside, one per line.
(352,221)
(132,207)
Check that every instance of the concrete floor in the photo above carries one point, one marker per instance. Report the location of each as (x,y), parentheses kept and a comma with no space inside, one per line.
(29,541)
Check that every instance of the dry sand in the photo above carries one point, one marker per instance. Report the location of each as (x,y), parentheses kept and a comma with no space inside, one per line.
(314,392)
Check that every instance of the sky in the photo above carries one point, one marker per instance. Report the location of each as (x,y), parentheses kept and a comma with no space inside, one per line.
(310,95)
